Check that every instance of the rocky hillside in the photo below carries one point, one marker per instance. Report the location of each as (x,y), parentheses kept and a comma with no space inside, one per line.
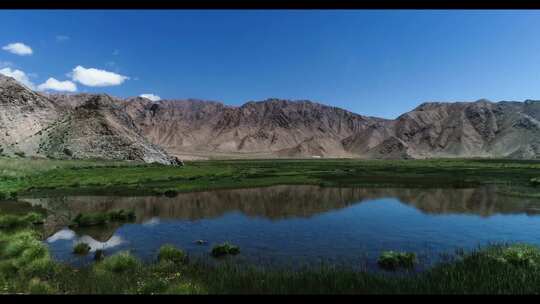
(463,129)
(281,128)
(88,126)
(270,128)
(100,126)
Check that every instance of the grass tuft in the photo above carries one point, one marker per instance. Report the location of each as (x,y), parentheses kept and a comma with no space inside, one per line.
(535,181)
(120,262)
(391,260)
(99,255)
(225,249)
(37,286)
(11,221)
(519,255)
(81,249)
(172,254)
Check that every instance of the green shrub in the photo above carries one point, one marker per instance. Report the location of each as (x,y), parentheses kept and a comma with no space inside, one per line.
(224,249)
(170,253)
(170,193)
(22,253)
(185,288)
(99,255)
(17,243)
(81,248)
(7,268)
(119,262)
(43,267)
(517,255)
(152,285)
(10,221)
(34,251)
(535,181)
(391,260)
(34,218)
(36,286)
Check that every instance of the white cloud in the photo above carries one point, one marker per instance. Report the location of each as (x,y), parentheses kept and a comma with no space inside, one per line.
(4,64)
(19,75)
(18,48)
(61,38)
(152,97)
(152,222)
(64,234)
(55,85)
(68,234)
(96,78)
(94,245)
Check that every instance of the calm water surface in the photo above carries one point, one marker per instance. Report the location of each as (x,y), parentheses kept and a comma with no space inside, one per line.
(297,225)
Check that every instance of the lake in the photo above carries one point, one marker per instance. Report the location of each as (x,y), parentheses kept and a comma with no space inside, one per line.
(294,225)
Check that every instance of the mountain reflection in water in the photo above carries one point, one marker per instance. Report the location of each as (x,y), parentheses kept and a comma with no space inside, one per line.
(282,202)
(298,222)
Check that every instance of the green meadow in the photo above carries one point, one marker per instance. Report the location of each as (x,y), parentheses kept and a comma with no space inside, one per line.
(27,267)
(23,176)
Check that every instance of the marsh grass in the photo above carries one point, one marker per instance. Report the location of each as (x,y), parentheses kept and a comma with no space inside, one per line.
(37,286)
(12,221)
(169,253)
(26,176)
(120,262)
(392,260)
(81,249)
(520,255)
(224,249)
(26,266)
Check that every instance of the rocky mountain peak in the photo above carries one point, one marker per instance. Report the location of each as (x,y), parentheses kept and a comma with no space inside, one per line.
(103,126)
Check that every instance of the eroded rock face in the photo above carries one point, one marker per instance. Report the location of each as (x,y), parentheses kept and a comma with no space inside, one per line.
(70,127)
(270,128)
(101,126)
(282,128)
(470,129)
(24,115)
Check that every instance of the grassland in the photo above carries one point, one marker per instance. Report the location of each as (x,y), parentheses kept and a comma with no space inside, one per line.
(23,176)
(26,265)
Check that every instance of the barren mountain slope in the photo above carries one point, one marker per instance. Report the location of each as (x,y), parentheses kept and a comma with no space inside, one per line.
(100,126)
(281,128)
(23,115)
(471,129)
(97,127)
(270,128)
(69,126)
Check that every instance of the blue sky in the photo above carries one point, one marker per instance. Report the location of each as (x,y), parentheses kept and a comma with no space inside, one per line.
(379,63)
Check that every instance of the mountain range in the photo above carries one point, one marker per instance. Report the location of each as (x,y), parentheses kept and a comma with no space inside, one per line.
(98,126)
